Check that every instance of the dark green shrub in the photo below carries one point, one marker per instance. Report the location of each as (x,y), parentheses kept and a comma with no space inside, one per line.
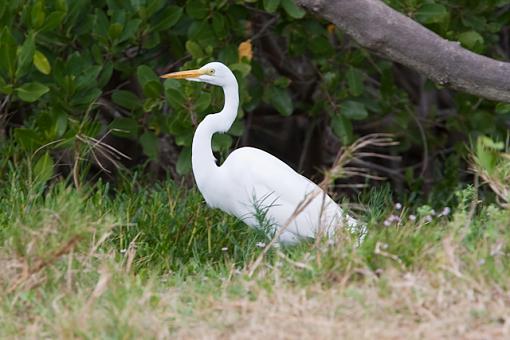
(79,69)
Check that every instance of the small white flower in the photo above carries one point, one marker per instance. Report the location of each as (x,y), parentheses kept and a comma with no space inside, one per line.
(224,249)
(446,211)
(433,212)
(412,217)
(428,218)
(398,206)
(394,218)
(122,251)
(260,244)
(481,262)
(387,223)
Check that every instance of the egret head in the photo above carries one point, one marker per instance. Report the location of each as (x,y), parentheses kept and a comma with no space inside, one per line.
(214,73)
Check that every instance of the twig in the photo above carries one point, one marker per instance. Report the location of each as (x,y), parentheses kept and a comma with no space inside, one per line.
(379,251)
(264,27)
(4,103)
(425,159)
(40,264)
(473,205)
(174,64)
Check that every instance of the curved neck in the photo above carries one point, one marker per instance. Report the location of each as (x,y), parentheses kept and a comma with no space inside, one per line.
(202,158)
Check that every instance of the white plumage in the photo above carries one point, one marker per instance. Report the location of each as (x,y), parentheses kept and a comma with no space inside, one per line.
(252,183)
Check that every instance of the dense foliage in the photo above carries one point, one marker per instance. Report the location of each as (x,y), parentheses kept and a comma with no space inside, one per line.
(75,72)
(80,96)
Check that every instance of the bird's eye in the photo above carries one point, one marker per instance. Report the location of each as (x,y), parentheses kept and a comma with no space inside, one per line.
(211,71)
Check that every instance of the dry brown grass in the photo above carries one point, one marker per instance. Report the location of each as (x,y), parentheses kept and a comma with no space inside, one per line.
(396,305)
(411,306)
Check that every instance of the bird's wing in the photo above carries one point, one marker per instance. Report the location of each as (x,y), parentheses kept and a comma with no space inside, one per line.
(258,174)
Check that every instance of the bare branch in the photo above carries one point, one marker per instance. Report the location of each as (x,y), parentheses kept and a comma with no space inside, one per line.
(381,29)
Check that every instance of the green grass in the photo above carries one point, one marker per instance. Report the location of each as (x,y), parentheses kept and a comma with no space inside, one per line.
(151,260)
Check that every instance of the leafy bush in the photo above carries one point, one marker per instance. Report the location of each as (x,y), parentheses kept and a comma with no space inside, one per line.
(76,72)
(491,161)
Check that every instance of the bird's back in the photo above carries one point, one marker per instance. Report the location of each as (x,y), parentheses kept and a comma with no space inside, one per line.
(261,184)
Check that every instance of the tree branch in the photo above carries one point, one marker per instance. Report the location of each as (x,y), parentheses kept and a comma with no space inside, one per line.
(379,28)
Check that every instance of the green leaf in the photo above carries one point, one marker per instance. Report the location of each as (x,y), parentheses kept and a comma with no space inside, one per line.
(60,124)
(123,126)
(482,121)
(221,142)
(243,68)
(25,54)
(172,84)
(271,5)
(202,32)
(126,99)
(6,88)
(355,81)
(237,129)
(53,20)
(183,138)
(292,9)
(7,53)
(27,138)
(280,99)
(197,9)
(183,165)
(115,30)
(150,104)
(88,76)
(86,97)
(342,128)
(30,92)
(51,124)
(491,144)
(38,14)
(175,99)
(472,40)
(353,110)
(194,49)
(170,16)
(100,24)
(130,30)
(146,74)
(150,144)
(152,89)
(41,63)
(320,46)
(502,108)
(432,14)
(219,24)
(43,169)
(174,94)
(152,40)
(486,156)
(105,75)
(476,22)
(203,102)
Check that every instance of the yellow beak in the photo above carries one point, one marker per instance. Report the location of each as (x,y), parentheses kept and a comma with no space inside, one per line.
(183,74)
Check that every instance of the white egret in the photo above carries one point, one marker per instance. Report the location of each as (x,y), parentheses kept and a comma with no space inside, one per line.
(252,183)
